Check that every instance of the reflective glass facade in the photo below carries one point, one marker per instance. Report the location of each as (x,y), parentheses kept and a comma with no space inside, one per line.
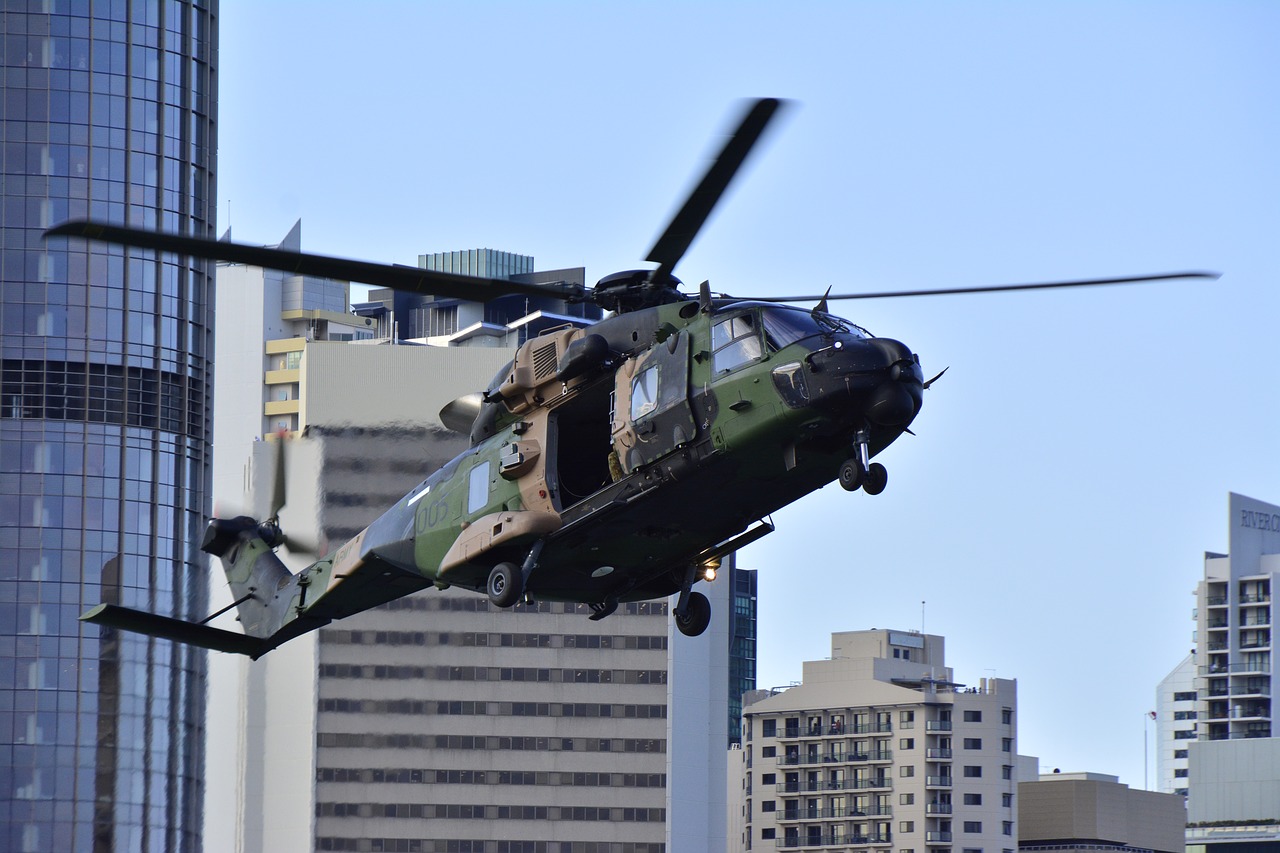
(108,112)
(742,644)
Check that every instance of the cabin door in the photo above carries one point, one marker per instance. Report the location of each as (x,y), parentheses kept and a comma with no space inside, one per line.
(652,416)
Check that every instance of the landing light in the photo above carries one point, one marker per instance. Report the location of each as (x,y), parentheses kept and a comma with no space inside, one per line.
(710,569)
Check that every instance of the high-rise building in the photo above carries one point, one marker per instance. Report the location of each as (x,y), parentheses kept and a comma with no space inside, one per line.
(109,112)
(742,644)
(1232,772)
(879,749)
(438,722)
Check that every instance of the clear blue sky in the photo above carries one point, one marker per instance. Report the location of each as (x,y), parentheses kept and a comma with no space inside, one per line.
(1073,465)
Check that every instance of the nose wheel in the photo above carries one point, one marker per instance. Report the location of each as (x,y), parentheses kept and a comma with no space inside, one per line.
(861,472)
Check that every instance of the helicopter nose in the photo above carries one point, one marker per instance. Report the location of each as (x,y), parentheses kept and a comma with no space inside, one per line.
(896,400)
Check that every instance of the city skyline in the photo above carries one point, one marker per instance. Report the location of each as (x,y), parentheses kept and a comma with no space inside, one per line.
(1069,470)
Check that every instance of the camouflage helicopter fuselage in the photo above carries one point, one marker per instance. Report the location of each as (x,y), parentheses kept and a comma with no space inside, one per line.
(609,462)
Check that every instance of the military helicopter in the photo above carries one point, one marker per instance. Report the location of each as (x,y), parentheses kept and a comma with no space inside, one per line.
(617,462)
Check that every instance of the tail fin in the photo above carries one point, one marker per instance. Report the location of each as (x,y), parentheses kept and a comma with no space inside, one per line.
(253,570)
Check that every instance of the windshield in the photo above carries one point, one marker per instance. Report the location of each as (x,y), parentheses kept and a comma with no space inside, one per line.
(784,325)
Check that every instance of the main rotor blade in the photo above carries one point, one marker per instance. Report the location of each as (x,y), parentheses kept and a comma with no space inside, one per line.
(685,225)
(395,276)
(994,288)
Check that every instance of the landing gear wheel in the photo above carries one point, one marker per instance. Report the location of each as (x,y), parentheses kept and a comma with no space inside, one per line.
(850,475)
(875,479)
(697,615)
(505,584)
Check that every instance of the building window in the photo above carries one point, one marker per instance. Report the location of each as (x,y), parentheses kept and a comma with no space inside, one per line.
(906,826)
(1006,744)
(769,728)
(905,718)
(768,751)
(1180,772)
(1185,696)
(973,716)
(1006,772)
(766,834)
(1006,827)
(973,826)
(973,743)
(1184,734)
(973,771)
(768,805)
(768,779)
(1006,800)
(1179,753)
(907,770)
(906,799)
(1006,716)
(906,743)
(973,799)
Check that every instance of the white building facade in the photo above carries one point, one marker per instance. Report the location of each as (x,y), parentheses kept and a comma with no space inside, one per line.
(1176,714)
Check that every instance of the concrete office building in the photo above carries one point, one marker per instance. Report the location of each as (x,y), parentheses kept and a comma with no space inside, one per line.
(109,111)
(1233,763)
(879,749)
(437,722)
(1095,812)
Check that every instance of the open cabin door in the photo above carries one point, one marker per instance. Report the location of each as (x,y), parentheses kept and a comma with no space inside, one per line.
(651,412)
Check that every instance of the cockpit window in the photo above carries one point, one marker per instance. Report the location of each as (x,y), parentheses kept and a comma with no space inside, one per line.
(784,325)
(735,341)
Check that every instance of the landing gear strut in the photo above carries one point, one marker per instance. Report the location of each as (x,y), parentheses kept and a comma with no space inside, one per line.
(860,471)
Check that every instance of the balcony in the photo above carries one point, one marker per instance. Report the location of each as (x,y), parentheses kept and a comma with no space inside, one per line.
(1250,712)
(833,840)
(874,782)
(1252,689)
(1261,666)
(796,759)
(828,814)
(937,808)
(872,728)
(937,725)
(937,837)
(934,754)
(937,781)
(819,785)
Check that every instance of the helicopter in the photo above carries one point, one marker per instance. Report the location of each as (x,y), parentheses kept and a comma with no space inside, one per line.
(616,462)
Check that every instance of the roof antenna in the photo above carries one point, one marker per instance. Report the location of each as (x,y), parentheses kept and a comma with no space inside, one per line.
(922,617)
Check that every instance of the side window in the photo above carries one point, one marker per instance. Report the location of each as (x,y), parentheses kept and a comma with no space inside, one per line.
(644,392)
(478,487)
(735,342)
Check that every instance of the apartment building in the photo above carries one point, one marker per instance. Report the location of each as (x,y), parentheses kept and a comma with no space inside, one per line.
(879,749)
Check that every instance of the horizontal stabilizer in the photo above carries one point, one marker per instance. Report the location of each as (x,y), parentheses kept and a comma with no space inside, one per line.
(128,619)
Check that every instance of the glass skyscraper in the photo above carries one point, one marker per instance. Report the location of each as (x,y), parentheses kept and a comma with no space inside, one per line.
(108,112)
